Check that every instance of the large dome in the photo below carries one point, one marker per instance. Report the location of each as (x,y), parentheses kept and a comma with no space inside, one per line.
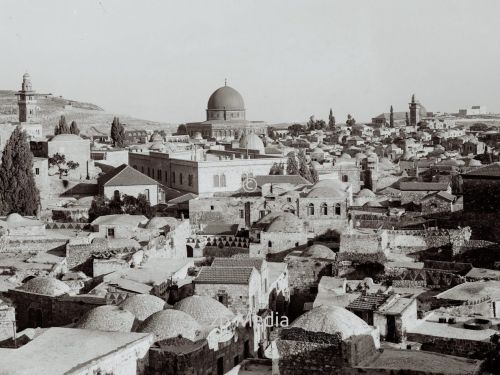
(143,305)
(252,141)
(107,318)
(207,311)
(281,222)
(226,98)
(331,320)
(46,285)
(171,323)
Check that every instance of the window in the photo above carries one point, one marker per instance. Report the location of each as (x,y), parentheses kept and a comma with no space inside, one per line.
(173,177)
(216,180)
(345,178)
(337,209)
(242,214)
(262,213)
(289,199)
(324,209)
(310,209)
(111,232)
(211,208)
(135,166)
(153,172)
(166,176)
(180,178)
(142,168)
(269,244)
(158,174)
(190,180)
(37,171)
(146,193)
(223,180)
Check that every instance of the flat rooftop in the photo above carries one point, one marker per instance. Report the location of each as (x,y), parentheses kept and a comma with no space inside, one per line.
(421,361)
(451,331)
(65,350)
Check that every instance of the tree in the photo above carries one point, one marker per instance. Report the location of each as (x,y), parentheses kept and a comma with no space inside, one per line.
(314,174)
(182,130)
(292,168)
(296,129)
(350,120)
(18,191)
(98,207)
(311,124)
(331,120)
(117,133)
(391,118)
(407,120)
(73,129)
(62,127)
(277,169)
(320,124)
(63,167)
(303,167)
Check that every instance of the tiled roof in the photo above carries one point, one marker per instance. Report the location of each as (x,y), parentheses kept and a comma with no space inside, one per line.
(224,275)
(278,179)
(423,186)
(490,170)
(125,175)
(238,262)
(368,302)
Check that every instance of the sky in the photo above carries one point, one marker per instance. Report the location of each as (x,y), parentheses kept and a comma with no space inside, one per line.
(160,59)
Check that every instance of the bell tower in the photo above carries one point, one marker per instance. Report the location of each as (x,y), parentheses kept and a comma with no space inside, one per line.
(26,100)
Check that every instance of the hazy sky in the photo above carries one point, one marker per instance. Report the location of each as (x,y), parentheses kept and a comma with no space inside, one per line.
(161,60)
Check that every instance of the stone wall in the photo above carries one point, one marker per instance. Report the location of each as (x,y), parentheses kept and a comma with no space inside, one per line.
(236,297)
(452,346)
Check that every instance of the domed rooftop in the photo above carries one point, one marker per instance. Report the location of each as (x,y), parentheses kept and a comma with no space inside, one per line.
(360,156)
(227,98)
(143,305)
(171,323)
(331,320)
(45,285)
(320,251)
(107,318)
(327,189)
(157,146)
(345,156)
(366,193)
(67,138)
(156,137)
(205,310)
(281,222)
(252,141)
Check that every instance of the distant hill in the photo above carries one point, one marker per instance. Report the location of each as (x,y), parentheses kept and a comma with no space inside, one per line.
(91,119)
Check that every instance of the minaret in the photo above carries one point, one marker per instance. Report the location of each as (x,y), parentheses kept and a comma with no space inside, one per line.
(414,111)
(26,100)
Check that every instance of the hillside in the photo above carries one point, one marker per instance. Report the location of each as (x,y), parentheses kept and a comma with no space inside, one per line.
(91,119)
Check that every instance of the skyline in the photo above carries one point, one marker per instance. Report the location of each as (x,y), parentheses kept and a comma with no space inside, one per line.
(361,57)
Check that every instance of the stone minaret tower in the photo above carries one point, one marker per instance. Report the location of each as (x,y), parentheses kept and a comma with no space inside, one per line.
(414,111)
(26,100)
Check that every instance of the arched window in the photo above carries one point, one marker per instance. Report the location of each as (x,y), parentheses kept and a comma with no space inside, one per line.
(324,209)
(216,180)
(223,180)
(337,209)
(173,177)
(310,209)
(180,178)
(269,244)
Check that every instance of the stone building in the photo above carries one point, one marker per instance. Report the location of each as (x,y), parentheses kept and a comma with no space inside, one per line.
(205,173)
(226,117)
(53,351)
(27,107)
(481,190)
(46,302)
(125,180)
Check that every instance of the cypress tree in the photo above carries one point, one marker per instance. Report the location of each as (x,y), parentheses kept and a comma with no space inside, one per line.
(292,168)
(73,129)
(18,191)
(391,118)
(117,133)
(314,174)
(63,126)
(303,168)
(407,120)
(331,120)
